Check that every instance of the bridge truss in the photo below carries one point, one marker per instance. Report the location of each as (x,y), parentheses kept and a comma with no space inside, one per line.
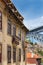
(36,34)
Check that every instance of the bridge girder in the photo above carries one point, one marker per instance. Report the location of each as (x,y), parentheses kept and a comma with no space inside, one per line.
(35,33)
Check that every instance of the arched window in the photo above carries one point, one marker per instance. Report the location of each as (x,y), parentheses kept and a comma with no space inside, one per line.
(0,20)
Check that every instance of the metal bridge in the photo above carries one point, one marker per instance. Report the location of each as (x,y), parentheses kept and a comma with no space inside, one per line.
(36,34)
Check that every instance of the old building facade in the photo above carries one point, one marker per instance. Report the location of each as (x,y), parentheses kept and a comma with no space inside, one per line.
(12,34)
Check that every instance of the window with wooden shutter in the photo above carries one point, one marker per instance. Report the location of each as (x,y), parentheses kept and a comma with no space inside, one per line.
(0,53)
(9,54)
(9,27)
(14,30)
(14,54)
(19,54)
(0,20)
(24,55)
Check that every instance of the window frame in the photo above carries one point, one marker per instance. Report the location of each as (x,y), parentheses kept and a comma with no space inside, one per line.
(19,33)
(14,54)
(23,55)
(9,54)
(9,27)
(14,30)
(0,20)
(19,55)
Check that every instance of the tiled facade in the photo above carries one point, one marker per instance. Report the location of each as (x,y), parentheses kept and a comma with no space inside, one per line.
(12,35)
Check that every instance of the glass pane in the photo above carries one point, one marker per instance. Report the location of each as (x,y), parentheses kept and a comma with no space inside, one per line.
(0,14)
(9,27)
(14,54)
(19,54)
(14,30)
(9,54)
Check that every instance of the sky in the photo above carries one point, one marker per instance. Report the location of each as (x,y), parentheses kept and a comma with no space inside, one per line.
(32,11)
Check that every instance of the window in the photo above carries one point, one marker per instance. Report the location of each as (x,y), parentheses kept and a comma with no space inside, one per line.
(14,30)
(9,27)
(9,54)
(0,53)
(14,54)
(24,55)
(23,37)
(0,20)
(19,33)
(23,46)
(19,54)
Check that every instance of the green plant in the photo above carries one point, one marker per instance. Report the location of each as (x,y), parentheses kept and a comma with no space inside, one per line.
(35,43)
(40,52)
(31,43)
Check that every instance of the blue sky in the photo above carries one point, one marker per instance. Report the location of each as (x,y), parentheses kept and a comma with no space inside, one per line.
(32,11)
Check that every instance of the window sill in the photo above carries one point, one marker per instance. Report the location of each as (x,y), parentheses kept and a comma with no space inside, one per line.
(9,63)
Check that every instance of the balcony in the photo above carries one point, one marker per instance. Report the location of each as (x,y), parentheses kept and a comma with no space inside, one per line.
(18,38)
(15,40)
